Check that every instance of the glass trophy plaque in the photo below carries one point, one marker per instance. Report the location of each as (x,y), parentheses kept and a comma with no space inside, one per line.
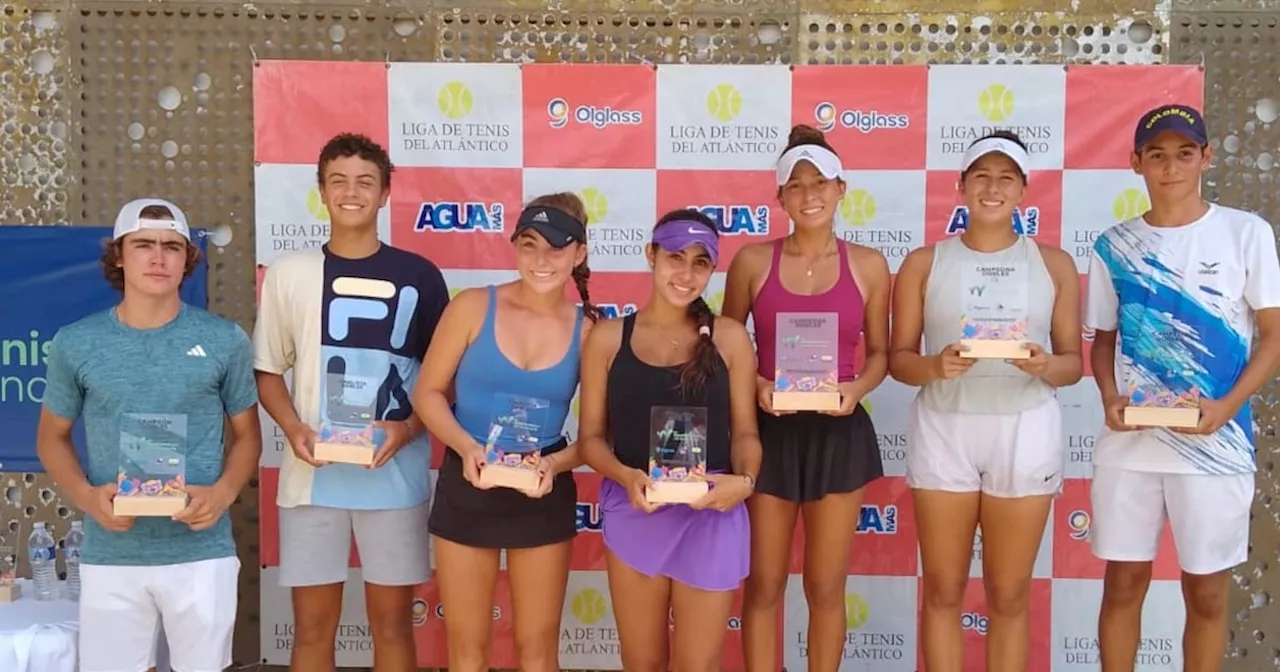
(994,322)
(346,418)
(805,360)
(1155,403)
(512,451)
(10,590)
(152,475)
(677,454)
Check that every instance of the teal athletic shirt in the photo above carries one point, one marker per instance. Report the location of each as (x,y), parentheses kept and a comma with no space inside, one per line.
(198,365)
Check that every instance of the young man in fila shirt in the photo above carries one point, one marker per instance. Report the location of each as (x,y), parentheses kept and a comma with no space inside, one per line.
(153,355)
(1181,289)
(354,314)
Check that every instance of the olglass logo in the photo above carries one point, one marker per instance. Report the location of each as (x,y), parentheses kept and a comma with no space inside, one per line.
(827,115)
(558,115)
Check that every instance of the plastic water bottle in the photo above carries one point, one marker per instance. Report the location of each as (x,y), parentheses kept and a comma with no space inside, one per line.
(71,545)
(43,552)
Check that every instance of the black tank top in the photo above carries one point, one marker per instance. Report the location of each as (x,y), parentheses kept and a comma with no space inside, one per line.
(634,387)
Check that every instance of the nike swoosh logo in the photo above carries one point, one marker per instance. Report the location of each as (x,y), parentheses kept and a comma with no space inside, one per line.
(695,230)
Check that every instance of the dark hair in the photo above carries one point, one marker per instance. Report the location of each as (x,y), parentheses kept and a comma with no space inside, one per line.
(695,372)
(571,204)
(113,251)
(353,144)
(804,134)
(1004,135)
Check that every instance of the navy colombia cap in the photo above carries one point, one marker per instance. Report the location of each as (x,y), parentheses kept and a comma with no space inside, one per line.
(1181,119)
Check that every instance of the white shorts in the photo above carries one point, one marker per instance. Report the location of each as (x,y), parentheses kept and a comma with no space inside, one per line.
(122,609)
(1208,513)
(1013,455)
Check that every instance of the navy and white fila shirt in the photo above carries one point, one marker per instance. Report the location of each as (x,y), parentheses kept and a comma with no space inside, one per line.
(353,332)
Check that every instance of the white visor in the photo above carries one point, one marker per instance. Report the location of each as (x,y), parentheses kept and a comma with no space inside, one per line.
(130,220)
(1004,146)
(822,158)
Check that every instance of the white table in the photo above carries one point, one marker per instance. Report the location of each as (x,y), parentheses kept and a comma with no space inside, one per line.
(40,636)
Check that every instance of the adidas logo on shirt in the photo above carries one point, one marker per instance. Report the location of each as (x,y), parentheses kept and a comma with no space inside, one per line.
(197,351)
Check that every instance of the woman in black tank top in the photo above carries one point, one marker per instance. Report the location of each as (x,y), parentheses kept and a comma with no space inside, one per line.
(674,352)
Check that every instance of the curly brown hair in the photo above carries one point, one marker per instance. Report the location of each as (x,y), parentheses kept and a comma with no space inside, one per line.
(113,251)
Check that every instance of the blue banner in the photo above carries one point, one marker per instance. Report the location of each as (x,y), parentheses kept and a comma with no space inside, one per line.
(50,276)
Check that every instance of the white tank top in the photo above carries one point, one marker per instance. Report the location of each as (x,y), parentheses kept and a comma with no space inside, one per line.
(990,386)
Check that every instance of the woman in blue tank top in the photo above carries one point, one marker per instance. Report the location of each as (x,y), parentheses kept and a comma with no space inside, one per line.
(510,355)
(670,371)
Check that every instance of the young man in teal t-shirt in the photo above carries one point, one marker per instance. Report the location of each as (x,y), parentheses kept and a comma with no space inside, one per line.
(153,355)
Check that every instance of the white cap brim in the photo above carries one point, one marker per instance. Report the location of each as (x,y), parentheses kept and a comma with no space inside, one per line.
(821,158)
(130,220)
(1004,146)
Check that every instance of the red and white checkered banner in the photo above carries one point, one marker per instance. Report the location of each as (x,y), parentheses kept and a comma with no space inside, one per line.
(473,142)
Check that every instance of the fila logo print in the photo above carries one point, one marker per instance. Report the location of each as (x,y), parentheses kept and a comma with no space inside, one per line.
(197,351)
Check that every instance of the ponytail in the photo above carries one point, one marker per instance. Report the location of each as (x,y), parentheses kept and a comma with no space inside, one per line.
(695,372)
(581,274)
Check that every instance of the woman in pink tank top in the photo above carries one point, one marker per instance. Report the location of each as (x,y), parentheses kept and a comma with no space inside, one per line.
(817,462)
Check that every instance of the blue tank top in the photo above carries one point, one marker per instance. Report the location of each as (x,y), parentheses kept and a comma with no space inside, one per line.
(485,374)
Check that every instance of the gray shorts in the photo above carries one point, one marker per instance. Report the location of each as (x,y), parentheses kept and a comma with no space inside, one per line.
(315,545)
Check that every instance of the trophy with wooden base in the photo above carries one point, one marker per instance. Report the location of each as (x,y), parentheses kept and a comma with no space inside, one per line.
(346,433)
(512,452)
(994,323)
(151,480)
(1156,405)
(806,359)
(677,454)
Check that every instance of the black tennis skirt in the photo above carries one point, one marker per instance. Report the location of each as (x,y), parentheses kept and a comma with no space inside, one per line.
(502,517)
(808,456)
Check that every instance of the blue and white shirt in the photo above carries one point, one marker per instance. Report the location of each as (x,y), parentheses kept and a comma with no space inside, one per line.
(1183,300)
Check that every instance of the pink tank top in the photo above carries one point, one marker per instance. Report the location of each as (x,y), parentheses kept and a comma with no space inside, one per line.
(844,299)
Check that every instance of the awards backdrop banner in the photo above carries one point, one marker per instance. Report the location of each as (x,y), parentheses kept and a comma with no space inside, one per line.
(50,276)
(472,142)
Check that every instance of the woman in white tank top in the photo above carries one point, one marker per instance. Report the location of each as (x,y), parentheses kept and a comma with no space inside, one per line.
(984,434)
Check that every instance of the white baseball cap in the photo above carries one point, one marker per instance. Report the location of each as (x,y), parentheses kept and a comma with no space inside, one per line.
(822,158)
(130,219)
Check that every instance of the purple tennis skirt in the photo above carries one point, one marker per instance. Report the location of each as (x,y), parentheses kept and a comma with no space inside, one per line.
(703,549)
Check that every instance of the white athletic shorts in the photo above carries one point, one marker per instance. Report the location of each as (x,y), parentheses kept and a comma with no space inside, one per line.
(122,609)
(1012,455)
(1208,514)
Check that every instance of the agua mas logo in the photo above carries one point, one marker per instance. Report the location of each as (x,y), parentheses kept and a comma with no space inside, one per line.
(724,102)
(455,100)
(596,204)
(589,606)
(858,207)
(1129,204)
(996,102)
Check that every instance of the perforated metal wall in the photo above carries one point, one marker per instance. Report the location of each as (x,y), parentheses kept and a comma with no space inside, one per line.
(105,101)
